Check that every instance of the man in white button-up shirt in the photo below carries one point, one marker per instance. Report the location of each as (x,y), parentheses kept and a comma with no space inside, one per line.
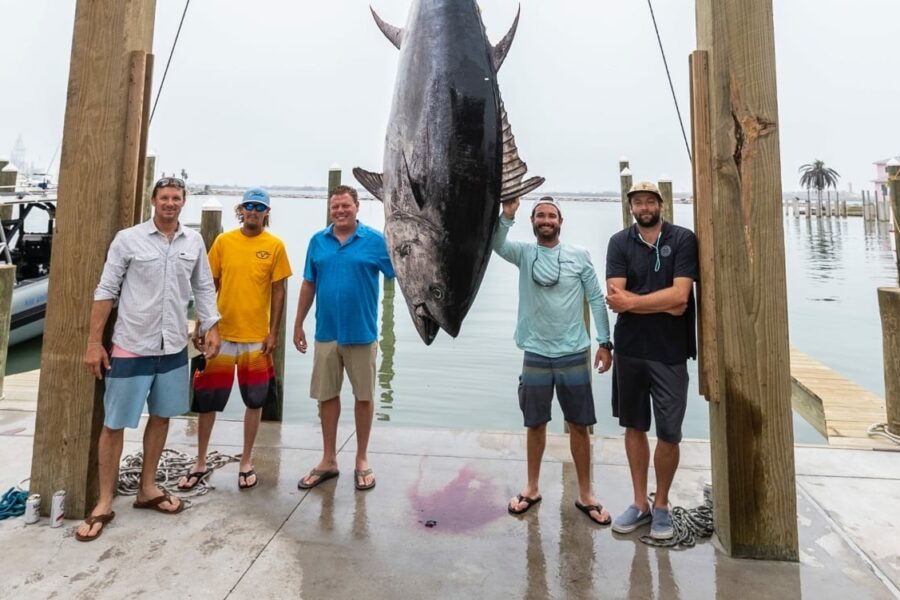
(150,271)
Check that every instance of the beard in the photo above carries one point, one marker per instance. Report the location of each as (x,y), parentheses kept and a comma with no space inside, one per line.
(546,236)
(648,220)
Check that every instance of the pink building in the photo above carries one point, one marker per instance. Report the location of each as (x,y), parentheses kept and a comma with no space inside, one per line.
(881,177)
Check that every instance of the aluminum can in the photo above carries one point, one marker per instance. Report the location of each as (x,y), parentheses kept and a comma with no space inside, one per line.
(58,509)
(33,509)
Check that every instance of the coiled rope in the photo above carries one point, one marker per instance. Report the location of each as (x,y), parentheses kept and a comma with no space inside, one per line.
(173,465)
(688,525)
(882,430)
(13,503)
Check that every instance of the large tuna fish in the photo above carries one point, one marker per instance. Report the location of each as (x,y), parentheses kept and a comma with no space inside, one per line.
(449,159)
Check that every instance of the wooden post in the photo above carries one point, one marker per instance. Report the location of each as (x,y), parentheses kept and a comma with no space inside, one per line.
(892,210)
(210,222)
(334,180)
(796,207)
(274,411)
(665,190)
(889,306)
(625,185)
(8,175)
(808,208)
(829,212)
(879,208)
(95,203)
(149,180)
(751,427)
(7,283)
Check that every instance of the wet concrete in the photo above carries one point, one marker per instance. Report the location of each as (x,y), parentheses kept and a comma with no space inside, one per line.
(436,526)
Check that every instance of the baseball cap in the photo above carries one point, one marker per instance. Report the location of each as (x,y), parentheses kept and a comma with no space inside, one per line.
(645,186)
(546,200)
(257,195)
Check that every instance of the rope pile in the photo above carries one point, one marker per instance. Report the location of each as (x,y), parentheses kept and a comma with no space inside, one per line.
(173,465)
(13,503)
(689,524)
(882,430)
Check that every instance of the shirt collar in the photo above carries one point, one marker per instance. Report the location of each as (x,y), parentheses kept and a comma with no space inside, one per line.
(663,233)
(149,227)
(361,230)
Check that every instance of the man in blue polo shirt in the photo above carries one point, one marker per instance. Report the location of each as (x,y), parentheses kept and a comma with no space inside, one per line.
(341,274)
(650,272)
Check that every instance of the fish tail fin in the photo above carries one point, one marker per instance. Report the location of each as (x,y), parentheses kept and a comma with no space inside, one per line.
(370,181)
(392,33)
(514,168)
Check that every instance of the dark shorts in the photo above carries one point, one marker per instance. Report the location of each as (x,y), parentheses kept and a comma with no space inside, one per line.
(570,375)
(636,382)
(214,380)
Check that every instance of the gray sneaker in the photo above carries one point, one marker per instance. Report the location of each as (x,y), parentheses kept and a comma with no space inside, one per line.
(661,529)
(630,520)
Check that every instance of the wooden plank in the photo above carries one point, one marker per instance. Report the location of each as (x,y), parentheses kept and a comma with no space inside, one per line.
(751,428)
(69,410)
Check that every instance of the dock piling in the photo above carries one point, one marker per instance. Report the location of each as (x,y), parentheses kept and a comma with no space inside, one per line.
(625,182)
(210,222)
(7,283)
(334,180)
(665,190)
(889,306)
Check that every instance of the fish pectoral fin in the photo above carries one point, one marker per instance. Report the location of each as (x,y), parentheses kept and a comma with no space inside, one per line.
(392,33)
(514,168)
(370,181)
(502,47)
(414,186)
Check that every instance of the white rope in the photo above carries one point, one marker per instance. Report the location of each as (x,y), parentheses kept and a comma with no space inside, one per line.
(688,524)
(882,430)
(173,465)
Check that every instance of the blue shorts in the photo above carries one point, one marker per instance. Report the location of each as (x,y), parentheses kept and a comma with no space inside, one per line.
(160,381)
(569,375)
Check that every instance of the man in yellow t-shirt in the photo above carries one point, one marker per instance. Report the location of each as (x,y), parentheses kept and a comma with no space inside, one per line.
(250,267)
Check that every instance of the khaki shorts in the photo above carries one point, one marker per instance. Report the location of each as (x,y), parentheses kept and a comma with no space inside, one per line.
(330,360)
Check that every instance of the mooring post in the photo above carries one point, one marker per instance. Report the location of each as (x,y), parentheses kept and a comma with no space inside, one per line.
(8,176)
(754,487)
(829,211)
(892,210)
(334,180)
(7,283)
(274,411)
(808,208)
(625,185)
(889,306)
(665,190)
(149,180)
(105,75)
(210,222)
(796,207)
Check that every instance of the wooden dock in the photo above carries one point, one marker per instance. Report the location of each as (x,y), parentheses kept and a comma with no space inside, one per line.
(838,408)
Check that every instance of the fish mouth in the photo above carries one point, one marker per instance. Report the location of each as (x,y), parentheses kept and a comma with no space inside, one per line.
(425,324)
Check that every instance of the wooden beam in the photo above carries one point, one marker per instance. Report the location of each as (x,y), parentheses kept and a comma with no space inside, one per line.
(97,149)
(751,428)
(625,181)
(665,190)
(889,304)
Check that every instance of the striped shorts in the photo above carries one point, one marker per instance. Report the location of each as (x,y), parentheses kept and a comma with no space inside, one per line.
(570,375)
(214,380)
(160,381)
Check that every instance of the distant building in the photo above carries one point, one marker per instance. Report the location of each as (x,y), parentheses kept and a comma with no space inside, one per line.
(881,177)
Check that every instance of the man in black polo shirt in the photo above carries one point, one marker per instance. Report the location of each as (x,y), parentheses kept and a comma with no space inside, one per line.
(650,272)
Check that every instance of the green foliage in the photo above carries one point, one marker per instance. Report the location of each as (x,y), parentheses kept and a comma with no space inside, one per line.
(817,176)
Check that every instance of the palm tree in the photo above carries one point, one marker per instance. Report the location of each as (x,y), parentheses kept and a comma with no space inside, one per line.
(817,176)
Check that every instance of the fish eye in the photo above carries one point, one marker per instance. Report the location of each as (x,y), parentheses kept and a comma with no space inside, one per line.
(437,292)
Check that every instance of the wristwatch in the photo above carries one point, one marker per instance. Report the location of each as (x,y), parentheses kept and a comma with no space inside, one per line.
(607,345)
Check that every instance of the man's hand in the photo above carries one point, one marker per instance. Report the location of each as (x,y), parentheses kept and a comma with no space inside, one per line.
(270,343)
(510,207)
(602,360)
(95,357)
(619,300)
(211,343)
(196,338)
(300,339)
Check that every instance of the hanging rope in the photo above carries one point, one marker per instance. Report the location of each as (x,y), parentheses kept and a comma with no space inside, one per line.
(168,62)
(173,465)
(688,524)
(882,430)
(687,146)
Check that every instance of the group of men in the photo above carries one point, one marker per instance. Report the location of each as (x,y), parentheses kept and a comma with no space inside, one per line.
(152,269)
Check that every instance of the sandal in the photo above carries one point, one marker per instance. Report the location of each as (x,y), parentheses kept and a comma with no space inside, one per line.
(323,476)
(93,520)
(360,475)
(529,502)
(589,508)
(154,503)
(246,475)
(194,479)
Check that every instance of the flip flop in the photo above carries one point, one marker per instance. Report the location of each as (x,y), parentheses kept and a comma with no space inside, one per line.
(194,479)
(357,475)
(154,503)
(323,476)
(245,475)
(529,502)
(589,508)
(93,520)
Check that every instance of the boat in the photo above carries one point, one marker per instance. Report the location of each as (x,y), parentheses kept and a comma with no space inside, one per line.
(25,241)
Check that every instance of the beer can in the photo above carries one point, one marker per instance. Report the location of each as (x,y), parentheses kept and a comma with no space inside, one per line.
(33,509)
(58,509)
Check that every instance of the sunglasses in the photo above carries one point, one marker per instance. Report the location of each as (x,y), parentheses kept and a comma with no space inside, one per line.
(169,182)
(546,282)
(257,206)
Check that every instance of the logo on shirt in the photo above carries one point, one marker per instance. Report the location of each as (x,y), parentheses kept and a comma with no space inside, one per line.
(263,254)
(665,251)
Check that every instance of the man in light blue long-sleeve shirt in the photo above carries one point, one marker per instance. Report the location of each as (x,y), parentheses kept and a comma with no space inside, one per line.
(554,281)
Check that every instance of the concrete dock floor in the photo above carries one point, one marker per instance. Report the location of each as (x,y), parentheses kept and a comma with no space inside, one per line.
(276,541)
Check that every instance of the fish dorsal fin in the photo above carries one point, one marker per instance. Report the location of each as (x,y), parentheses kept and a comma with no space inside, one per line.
(394,34)
(502,47)
(370,181)
(514,168)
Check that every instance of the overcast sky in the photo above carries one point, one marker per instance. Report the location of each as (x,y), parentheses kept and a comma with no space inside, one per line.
(274,92)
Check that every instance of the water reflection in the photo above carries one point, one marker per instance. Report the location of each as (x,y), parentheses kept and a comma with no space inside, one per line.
(388,343)
(576,541)
(535,563)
